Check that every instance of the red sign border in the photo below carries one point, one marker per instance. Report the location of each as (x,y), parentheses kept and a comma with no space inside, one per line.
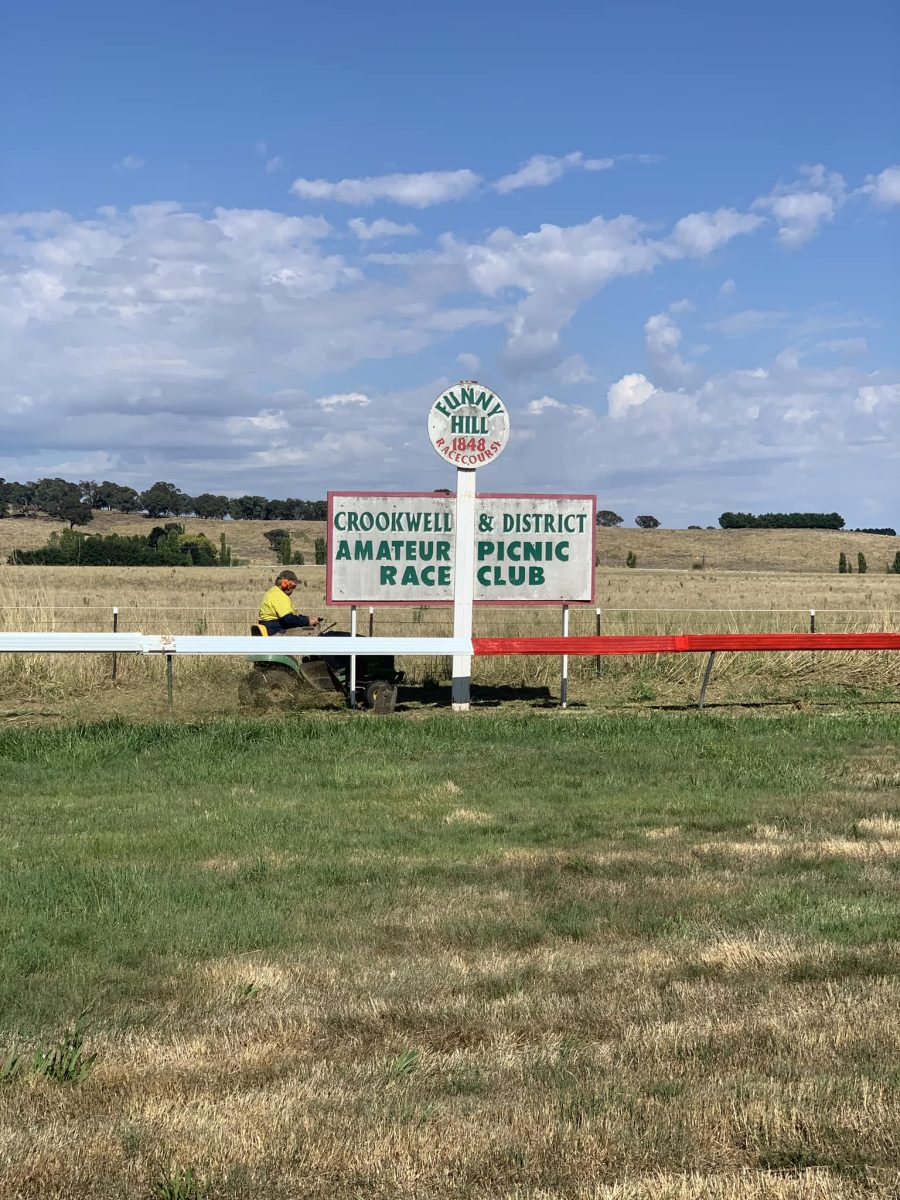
(332,603)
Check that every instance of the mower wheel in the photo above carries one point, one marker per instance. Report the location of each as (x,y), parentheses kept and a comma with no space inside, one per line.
(381,697)
(275,687)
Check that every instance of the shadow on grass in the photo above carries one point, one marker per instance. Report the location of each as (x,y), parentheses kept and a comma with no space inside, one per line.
(433,695)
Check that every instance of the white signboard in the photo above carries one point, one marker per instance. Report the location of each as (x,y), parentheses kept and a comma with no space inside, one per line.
(398,548)
(468,425)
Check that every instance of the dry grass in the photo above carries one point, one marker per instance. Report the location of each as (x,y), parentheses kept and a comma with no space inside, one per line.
(784,551)
(176,600)
(575,1071)
(414,977)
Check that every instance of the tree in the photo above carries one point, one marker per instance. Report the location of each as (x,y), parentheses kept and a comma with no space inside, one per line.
(248,508)
(50,495)
(76,512)
(4,498)
(646,522)
(210,507)
(631,559)
(92,492)
(163,500)
(321,550)
(861,564)
(842,563)
(114,496)
(894,568)
(607,519)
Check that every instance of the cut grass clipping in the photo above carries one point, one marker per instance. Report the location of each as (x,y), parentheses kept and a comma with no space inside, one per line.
(609,957)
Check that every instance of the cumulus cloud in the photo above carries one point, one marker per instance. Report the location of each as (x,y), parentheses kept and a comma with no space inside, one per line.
(273,164)
(728,288)
(543,169)
(192,342)
(420,190)
(536,407)
(131,162)
(880,397)
(700,233)
(802,207)
(663,337)
(629,392)
(368,231)
(884,188)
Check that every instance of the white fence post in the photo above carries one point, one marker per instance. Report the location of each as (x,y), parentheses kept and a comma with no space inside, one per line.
(564,663)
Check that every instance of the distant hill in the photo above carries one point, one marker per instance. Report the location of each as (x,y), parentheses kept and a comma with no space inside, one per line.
(787,550)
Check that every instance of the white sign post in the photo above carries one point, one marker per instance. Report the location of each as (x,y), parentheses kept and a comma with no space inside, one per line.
(469,427)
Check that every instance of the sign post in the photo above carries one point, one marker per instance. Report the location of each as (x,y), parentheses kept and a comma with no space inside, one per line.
(469,427)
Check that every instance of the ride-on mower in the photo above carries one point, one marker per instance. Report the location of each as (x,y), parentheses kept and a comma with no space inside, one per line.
(279,678)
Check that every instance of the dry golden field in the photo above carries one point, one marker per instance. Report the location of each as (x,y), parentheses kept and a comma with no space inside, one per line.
(784,550)
(669,592)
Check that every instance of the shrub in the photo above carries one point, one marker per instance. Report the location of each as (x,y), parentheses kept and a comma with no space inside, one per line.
(861,564)
(842,563)
(631,559)
(320,551)
(894,568)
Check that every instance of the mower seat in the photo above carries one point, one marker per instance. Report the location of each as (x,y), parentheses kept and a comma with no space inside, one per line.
(258,631)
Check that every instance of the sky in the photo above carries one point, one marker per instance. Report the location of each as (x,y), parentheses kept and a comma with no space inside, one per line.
(243,248)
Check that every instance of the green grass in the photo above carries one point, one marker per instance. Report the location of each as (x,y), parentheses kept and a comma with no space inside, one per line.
(668,942)
(131,849)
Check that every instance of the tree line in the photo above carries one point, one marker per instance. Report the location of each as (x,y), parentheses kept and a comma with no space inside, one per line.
(76,502)
(791,520)
(164,546)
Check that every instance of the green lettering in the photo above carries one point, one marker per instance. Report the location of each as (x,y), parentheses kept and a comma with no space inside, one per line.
(343,550)
(410,578)
(388,575)
(362,551)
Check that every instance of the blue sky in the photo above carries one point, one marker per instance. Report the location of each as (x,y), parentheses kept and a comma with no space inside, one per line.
(244,247)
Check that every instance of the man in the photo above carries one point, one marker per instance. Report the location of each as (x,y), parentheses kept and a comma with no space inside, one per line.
(276,612)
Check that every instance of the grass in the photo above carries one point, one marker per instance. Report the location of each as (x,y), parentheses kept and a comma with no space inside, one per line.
(601,956)
(169,600)
(786,551)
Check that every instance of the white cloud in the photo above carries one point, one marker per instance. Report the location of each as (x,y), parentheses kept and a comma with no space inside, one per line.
(801,207)
(193,342)
(265,421)
(663,337)
(416,191)
(884,188)
(131,162)
(543,169)
(469,362)
(681,306)
(728,288)
(343,400)
(368,231)
(700,233)
(571,371)
(874,396)
(631,391)
(273,164)
(536,407)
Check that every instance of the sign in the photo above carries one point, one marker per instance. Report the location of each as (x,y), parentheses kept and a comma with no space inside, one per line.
(399,548)
(468,425)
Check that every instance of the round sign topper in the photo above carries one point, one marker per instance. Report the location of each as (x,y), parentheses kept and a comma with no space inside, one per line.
(468,425)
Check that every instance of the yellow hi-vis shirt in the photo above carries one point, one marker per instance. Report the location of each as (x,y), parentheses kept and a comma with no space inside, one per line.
(274,604)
